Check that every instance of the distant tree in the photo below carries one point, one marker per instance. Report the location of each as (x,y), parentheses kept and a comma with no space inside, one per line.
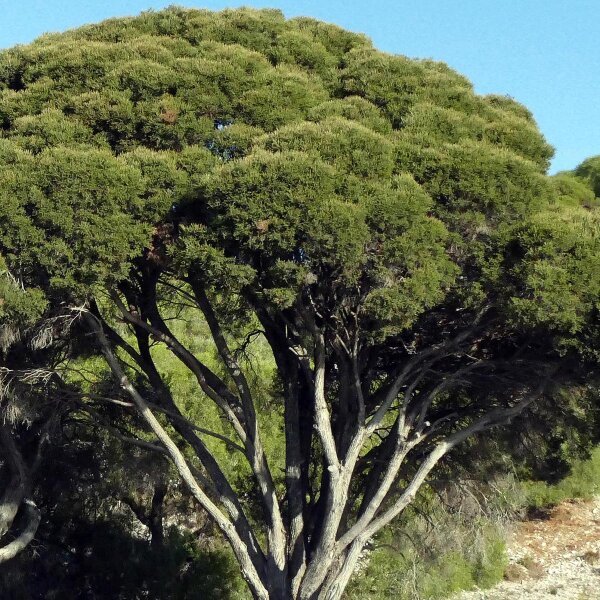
(589,172)
(387,237)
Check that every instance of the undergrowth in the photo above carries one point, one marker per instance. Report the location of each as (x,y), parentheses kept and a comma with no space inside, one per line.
(448,542)
(583,481)
(445,546)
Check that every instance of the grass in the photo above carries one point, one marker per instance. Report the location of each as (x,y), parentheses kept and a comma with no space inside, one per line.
(459,553)
(433,552)
(582,482)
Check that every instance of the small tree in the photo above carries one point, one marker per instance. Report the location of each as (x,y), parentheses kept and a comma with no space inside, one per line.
(384,235)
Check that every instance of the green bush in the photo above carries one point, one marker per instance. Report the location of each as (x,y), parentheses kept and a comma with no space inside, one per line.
(429,560)
(582,482)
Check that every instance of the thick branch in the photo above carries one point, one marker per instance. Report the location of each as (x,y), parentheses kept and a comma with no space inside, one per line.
(247,429)
(250,570)
(17,545)
(177,417)
(215,389)
(322,416)
(254,449)
(431,355)
(493,418)
(17,488)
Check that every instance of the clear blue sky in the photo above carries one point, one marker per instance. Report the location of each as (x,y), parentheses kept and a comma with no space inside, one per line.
(544,53)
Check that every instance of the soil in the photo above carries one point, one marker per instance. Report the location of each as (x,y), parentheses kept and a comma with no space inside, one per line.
(553,555)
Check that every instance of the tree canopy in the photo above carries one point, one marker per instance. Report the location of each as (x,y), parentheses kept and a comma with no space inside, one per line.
(389,237)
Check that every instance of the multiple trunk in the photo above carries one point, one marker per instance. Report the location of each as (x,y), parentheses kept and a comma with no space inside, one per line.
(340,481)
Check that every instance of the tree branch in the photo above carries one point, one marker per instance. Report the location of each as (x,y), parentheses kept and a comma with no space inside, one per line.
(13,548)
(254,448)
(251,567)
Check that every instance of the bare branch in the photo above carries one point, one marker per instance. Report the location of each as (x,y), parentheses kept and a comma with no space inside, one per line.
(254,449)
(216,390)
(250,566)
(171,415)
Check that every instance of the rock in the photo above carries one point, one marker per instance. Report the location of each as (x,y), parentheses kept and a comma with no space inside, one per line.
(553,559)
(516,572)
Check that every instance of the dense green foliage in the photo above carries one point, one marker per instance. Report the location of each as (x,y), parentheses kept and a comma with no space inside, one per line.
(345,127)
(583,481)
(112,128)
(279,207)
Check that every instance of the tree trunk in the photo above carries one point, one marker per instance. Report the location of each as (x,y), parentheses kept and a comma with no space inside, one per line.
(155,521)
(21,542)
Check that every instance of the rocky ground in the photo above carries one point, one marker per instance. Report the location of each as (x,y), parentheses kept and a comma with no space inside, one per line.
(554,555)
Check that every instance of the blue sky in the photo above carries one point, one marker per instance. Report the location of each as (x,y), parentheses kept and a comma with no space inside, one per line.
(543,53)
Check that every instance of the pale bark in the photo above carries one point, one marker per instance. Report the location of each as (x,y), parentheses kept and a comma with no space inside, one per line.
(24,538)
(254,448)
(17,487)
(220,484)
(221,397)
(10,503)
(241,413)
(249,570)
(322,416)
(314,546)
(15,497)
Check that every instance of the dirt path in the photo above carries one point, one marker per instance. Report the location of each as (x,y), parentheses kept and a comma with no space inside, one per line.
(553,556)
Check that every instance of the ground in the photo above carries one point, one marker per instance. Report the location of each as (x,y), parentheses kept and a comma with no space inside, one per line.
(554,555)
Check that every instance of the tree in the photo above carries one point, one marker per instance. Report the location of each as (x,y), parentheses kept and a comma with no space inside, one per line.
(29,407)
(589,172)
(386,238)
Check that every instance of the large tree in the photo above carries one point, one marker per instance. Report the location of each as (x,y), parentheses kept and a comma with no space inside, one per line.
(384,236)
